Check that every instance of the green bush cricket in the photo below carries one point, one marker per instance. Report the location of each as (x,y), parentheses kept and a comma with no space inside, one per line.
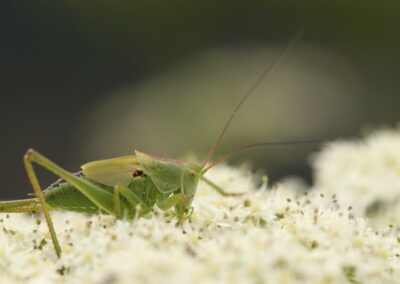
(128,186)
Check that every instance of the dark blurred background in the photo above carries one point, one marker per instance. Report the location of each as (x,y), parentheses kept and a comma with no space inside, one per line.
(85,80)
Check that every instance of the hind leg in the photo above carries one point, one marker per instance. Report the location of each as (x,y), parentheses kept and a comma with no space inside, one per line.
(100,197)
(39,195)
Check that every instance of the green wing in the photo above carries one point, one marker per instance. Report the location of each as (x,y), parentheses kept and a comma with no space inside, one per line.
(112,171)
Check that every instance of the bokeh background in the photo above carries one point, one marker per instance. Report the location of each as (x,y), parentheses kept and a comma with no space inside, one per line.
(85,80)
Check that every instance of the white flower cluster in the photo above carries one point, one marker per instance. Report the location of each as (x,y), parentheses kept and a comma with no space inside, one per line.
(364,173)
(267,235)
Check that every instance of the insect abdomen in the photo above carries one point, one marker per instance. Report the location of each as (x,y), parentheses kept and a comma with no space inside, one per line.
(65,197)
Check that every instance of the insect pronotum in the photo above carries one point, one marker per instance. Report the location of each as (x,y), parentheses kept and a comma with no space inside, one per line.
(129,186)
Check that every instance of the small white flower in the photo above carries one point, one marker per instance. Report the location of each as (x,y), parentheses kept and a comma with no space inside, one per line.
(279,235)
(364,174)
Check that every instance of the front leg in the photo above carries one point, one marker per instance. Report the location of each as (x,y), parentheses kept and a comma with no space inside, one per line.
(218,189)
(178,201)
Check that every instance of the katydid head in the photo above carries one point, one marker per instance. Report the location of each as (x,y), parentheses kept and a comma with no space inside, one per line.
(171,175)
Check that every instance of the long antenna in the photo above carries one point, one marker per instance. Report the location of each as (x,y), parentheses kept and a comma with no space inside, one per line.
(264,144)
(297,36)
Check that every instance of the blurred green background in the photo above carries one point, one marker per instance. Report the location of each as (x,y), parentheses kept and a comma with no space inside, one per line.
(85,80)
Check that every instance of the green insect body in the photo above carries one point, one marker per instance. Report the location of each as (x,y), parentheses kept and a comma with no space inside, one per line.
(130,186)
(144,180)
(125,187)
